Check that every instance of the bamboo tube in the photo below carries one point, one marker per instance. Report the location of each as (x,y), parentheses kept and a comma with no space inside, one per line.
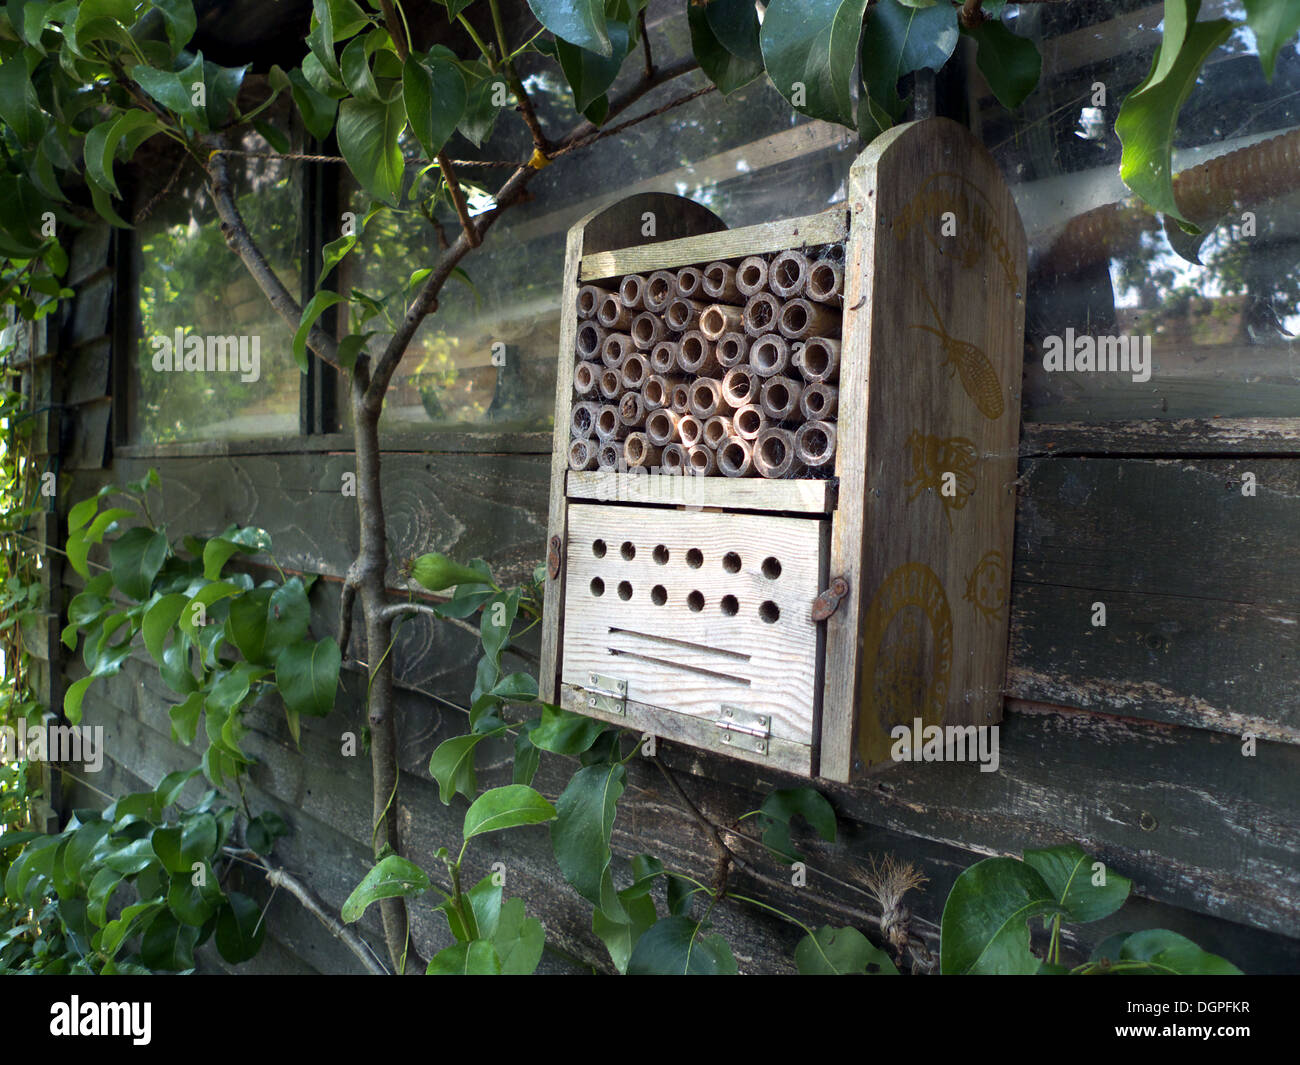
(687,282)
(707,399)
(584,378)
(673,459)
(608,456)
(761,314)
(748,421)
(826,282)
(661,427)
(819,401)
(589,298)
(788,275)
(702,459)
(612,314)
(658,390)
(663,356)
(814,444)
(690,430)
(638,451)
(716,430)
(769,355)
(731,350)
(660,288)
(718,319)
(779,398)
(582,422)
(617,347)
(720,284)
(631,291)
(582,454)
(751,275)
(684,314)
(818,359)
(631,410)
(740,386)
(591,337)
(681,401)
(648,329)
(801,318)
(611,384)
(609,426)
(635,369)
(736,458)
(695,354)
(774,454)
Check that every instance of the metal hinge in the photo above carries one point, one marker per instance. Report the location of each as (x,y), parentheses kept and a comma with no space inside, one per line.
(608,694)
(828,602)
(744,729)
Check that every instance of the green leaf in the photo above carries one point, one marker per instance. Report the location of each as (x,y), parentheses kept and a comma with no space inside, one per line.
(841,952)
(580,835)
(1010,64)
(726,67)
(480,110)
(118,931)
(580,22)
(20,109)
(354,65)
(1273,22)
(263,830)
(898,40)
(307,675)
(393,877)
(179,847)
(518,940)
(562,732)
(174,89)
(476,958)
(1169,953)
(168,944)
(527,757)
(590,74)
(781,806)
(455,7)
(317,109)
(316,306)
(984,929)
(434,94)
(810,48)
(159,620)
(240,929)
(437,572)
(1067,871)
(452,766)
(1147,118)
(368,138)
(671,948)
(135,558)
(180,20)
(82,512)
(506,807)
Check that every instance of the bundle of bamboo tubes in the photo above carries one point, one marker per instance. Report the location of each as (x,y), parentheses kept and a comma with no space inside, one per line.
(726,368)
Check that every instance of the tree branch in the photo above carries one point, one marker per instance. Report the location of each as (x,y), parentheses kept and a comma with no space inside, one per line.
(517,86)
(467,224)
(645,40)
(710,830)
(242,244)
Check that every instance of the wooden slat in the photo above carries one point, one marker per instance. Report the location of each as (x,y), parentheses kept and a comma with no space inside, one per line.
(1185,436)
(741,493)
(828,227)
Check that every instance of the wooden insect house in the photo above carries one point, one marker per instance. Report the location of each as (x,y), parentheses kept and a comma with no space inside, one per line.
(783,481)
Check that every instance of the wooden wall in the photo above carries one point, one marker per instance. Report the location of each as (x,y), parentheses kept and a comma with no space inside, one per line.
(1126,739)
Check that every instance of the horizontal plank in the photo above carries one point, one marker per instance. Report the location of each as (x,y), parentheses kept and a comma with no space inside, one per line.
(391,442)
(1183,436)
(828,227)
(733,493)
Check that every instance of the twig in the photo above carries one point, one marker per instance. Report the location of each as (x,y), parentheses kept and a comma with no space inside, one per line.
(525,102)
(645,40)
(397,610)
(467,223)
(972,13)
(347,598)
(710,830)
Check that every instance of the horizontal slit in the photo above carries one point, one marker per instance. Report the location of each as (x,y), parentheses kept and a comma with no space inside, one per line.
(682,643)
(681,665)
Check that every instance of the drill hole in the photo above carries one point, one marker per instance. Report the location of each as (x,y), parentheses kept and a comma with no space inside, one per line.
(695,558)
(598,548)
(695,601)
(625,591)
(597,587)
(769,612)
(731,562)
(628,550)
(771,568)
(661,555)
(730,606)
(659,595)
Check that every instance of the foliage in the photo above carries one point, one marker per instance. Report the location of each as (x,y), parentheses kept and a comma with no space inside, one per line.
(126,890)
(986,920)
(219,640)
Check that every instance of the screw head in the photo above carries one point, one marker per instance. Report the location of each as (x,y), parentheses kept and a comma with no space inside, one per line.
(592,677)
(591,701)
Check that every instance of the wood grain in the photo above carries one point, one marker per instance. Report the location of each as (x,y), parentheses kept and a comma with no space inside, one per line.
(795,496)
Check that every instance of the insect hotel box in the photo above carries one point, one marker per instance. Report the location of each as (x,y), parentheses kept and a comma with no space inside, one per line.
(783,480)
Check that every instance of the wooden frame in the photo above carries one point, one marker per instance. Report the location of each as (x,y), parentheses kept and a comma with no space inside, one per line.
(919,518)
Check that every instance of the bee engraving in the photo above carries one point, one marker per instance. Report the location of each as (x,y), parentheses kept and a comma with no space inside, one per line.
(978,377)
(935,456)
